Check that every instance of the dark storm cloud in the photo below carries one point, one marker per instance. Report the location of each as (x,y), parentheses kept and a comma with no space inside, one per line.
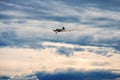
(78,75)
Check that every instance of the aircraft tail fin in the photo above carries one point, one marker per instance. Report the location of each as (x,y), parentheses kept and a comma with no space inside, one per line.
(63,28)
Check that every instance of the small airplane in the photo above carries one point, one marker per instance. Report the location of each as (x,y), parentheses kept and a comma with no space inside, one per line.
(59,30)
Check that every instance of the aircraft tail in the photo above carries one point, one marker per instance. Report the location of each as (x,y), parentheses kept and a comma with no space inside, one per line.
(63,28)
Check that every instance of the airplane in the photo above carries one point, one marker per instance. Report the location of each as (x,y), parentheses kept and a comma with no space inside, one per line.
(59,30)
(67,30)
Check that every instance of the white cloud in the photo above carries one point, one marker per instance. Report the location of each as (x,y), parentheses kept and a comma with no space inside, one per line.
(17,6)
(26,60)
(106,34)
(17,61)
(87,13)
(24,78)
(14,13)
(60,9)
(94,12)
(34,29)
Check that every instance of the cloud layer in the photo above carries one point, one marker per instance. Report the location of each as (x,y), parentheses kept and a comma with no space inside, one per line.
(28,44)
(52,57)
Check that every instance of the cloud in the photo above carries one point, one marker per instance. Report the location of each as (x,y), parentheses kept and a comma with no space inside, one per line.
(100,63)
(69,74)
(33,32)
(40,17)
(28,44)
(20,77)
(64,12)
(65,51)
(17,6)
(14,13)
(4,77)
(17,61)
(78,75)
(68,49)
(31,77)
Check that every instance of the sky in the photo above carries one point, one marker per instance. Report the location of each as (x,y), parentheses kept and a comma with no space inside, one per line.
(30,50)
